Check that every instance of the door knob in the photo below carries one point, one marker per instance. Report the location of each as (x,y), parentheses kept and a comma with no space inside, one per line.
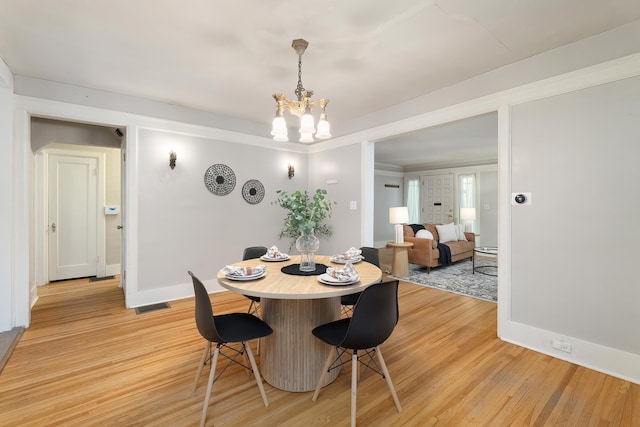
(53,227)
(119,227)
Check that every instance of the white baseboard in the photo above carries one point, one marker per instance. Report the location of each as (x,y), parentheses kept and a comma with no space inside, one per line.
(33,296)
(600,358)
(170,293)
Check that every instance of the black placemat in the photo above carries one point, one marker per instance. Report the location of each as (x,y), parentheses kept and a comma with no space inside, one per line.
(294,269)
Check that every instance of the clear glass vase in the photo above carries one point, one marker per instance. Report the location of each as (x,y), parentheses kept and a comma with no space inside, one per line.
(307,244)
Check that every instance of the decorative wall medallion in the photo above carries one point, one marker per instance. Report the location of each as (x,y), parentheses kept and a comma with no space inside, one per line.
(253,191)
(220,179)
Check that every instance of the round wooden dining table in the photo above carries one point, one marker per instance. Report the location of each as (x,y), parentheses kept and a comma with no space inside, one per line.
(292,358)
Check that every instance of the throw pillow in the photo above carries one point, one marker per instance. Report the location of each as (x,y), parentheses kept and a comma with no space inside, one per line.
(416,227)
(424,234)
(460,232)
(447,233)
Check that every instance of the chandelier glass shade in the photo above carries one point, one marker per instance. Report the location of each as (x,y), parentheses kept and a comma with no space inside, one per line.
(300,108)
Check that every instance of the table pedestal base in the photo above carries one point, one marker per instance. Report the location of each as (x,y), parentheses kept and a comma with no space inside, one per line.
(291,357)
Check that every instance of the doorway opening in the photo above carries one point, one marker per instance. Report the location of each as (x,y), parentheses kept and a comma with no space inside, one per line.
(78,205)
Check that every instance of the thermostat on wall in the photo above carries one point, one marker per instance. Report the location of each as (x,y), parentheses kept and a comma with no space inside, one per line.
(111,210)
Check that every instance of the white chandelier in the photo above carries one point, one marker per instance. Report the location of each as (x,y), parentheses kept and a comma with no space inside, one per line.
(300,108)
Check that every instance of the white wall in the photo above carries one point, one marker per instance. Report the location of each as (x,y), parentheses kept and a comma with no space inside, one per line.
(6,196)
(575,248)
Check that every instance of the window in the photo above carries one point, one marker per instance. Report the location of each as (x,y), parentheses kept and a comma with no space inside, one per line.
(467,197)
(413,200)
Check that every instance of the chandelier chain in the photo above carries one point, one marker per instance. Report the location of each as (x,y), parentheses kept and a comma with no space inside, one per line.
(299,89)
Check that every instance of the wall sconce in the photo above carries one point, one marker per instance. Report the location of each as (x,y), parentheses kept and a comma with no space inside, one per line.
(291,171)
(172,159)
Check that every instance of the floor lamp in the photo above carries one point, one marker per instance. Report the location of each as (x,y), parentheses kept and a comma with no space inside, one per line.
(399,216)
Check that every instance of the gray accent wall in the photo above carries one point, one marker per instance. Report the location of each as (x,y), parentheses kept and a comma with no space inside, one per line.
(487,209)
(183,226)
(343,165)
(385,198)
(575,249)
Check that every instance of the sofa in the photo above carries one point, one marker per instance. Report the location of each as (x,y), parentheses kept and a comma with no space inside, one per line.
(425,250)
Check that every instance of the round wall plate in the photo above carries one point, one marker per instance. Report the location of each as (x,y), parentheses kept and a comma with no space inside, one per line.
(220,179)
(253,191)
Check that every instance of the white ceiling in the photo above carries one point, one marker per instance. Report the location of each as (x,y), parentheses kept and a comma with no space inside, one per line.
(472,141)
(230,57)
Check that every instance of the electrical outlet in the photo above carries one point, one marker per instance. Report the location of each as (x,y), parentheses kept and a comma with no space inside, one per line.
(561,345)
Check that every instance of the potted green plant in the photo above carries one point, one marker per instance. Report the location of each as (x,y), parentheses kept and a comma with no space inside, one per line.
(304,221)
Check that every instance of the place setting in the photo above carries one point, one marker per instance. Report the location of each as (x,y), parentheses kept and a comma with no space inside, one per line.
(244,273)
(274,255)
(351,255)
(342,276)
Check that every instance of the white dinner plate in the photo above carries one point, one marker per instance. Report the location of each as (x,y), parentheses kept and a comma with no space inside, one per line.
(344,260)
(276,259)
(330,280)
(249,277)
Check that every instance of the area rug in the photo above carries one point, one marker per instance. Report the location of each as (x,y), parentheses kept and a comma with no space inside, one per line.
(457,278)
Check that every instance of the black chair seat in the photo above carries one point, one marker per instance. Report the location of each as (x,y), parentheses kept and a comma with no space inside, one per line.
(238,327)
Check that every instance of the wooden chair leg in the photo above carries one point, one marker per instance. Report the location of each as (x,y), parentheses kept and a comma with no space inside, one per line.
(354,386)
(209,386)
(207,348)
(327,364)
(255,372)
(388,378)
(247,361)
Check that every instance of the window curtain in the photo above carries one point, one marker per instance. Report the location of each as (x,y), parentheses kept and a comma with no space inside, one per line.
(413,200)
(467,195)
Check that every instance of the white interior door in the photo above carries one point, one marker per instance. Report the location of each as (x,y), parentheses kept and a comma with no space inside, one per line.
(438,198)
(72,216)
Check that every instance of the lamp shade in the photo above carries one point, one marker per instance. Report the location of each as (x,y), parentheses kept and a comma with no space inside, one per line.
(467,214)
(399,215)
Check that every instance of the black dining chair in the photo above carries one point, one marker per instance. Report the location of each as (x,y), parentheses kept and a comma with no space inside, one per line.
(348,301)
(253,252)
(222,330)
(375,315)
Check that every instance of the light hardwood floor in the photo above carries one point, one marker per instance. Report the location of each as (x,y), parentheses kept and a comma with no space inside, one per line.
(86,360)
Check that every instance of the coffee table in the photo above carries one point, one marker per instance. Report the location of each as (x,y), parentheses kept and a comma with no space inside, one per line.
(485,252)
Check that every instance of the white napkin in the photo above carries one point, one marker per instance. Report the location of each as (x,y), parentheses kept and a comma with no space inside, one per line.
(350,253)
(273,252)
(344,274)
(230,270)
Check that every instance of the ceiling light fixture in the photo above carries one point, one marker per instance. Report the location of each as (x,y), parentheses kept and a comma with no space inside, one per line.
(300,108)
